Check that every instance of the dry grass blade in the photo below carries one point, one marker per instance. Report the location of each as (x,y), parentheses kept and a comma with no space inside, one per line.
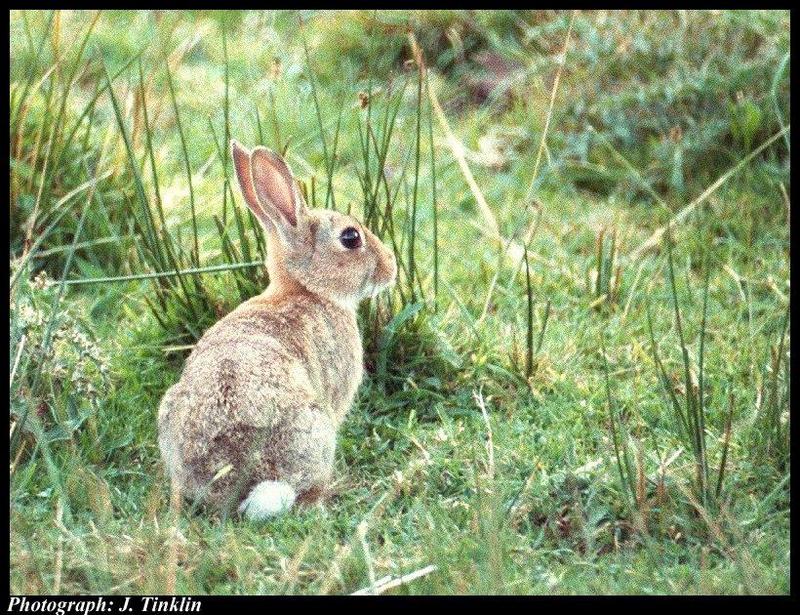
(172,561)
(489,440)
(553,91)
(59,563)
(456,147)
(518,254)
(16,361)
(491,229)
(387,583)
(362,537)
(292,571)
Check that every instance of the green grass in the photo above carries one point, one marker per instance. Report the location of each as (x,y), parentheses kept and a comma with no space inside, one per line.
(551,412)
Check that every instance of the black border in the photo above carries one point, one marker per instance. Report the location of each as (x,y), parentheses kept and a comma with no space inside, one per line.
(392,604)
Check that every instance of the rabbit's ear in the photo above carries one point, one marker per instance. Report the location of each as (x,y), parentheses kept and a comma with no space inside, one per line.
(275,187)
(241,162)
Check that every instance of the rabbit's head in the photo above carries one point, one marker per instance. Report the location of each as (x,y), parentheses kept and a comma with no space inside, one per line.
(328,253)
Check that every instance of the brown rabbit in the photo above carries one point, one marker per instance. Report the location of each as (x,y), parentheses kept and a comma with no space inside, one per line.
(253,419)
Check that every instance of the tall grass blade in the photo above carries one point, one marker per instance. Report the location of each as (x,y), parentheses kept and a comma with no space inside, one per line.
(681,419)
(725,446)
(529,330)
(434,209)
(412,242)
(195,255)
(544,326)
(626,477)
(692,411)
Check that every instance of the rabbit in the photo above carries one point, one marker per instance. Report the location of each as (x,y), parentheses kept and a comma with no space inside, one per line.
(253,419)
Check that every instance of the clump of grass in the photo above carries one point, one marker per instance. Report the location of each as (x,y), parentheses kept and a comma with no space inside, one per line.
(532,350)
(688,401)
(56,161)
(619,439)
(183,304)
(645,499)
(58,377)
(774,397)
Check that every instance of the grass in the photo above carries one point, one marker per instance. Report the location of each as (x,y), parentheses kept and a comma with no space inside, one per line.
(578,385)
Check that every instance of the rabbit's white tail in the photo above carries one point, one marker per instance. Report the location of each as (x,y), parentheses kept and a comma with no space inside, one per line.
(268,498)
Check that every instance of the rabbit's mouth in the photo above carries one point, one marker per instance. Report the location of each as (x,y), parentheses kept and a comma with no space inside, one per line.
(378,286)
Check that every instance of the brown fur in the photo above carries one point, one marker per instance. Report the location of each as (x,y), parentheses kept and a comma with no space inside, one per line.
(263,393)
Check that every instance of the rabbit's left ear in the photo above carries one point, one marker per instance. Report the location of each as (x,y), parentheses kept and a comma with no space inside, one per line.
(241,162)
(269,189)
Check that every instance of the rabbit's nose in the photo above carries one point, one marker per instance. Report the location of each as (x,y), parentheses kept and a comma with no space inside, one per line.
(387,268)
(392,264)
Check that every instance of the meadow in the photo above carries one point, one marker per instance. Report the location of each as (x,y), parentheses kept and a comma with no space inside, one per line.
(579,384)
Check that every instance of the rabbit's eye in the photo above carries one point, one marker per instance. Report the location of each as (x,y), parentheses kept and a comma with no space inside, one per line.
(350,238)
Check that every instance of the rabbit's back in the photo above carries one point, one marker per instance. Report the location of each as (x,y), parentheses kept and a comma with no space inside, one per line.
(302,341)
(267,367)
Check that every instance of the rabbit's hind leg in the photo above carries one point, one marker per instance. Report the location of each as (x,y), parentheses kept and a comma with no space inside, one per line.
(312,495)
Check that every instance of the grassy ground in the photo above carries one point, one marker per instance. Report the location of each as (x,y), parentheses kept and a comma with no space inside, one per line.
(553,404)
